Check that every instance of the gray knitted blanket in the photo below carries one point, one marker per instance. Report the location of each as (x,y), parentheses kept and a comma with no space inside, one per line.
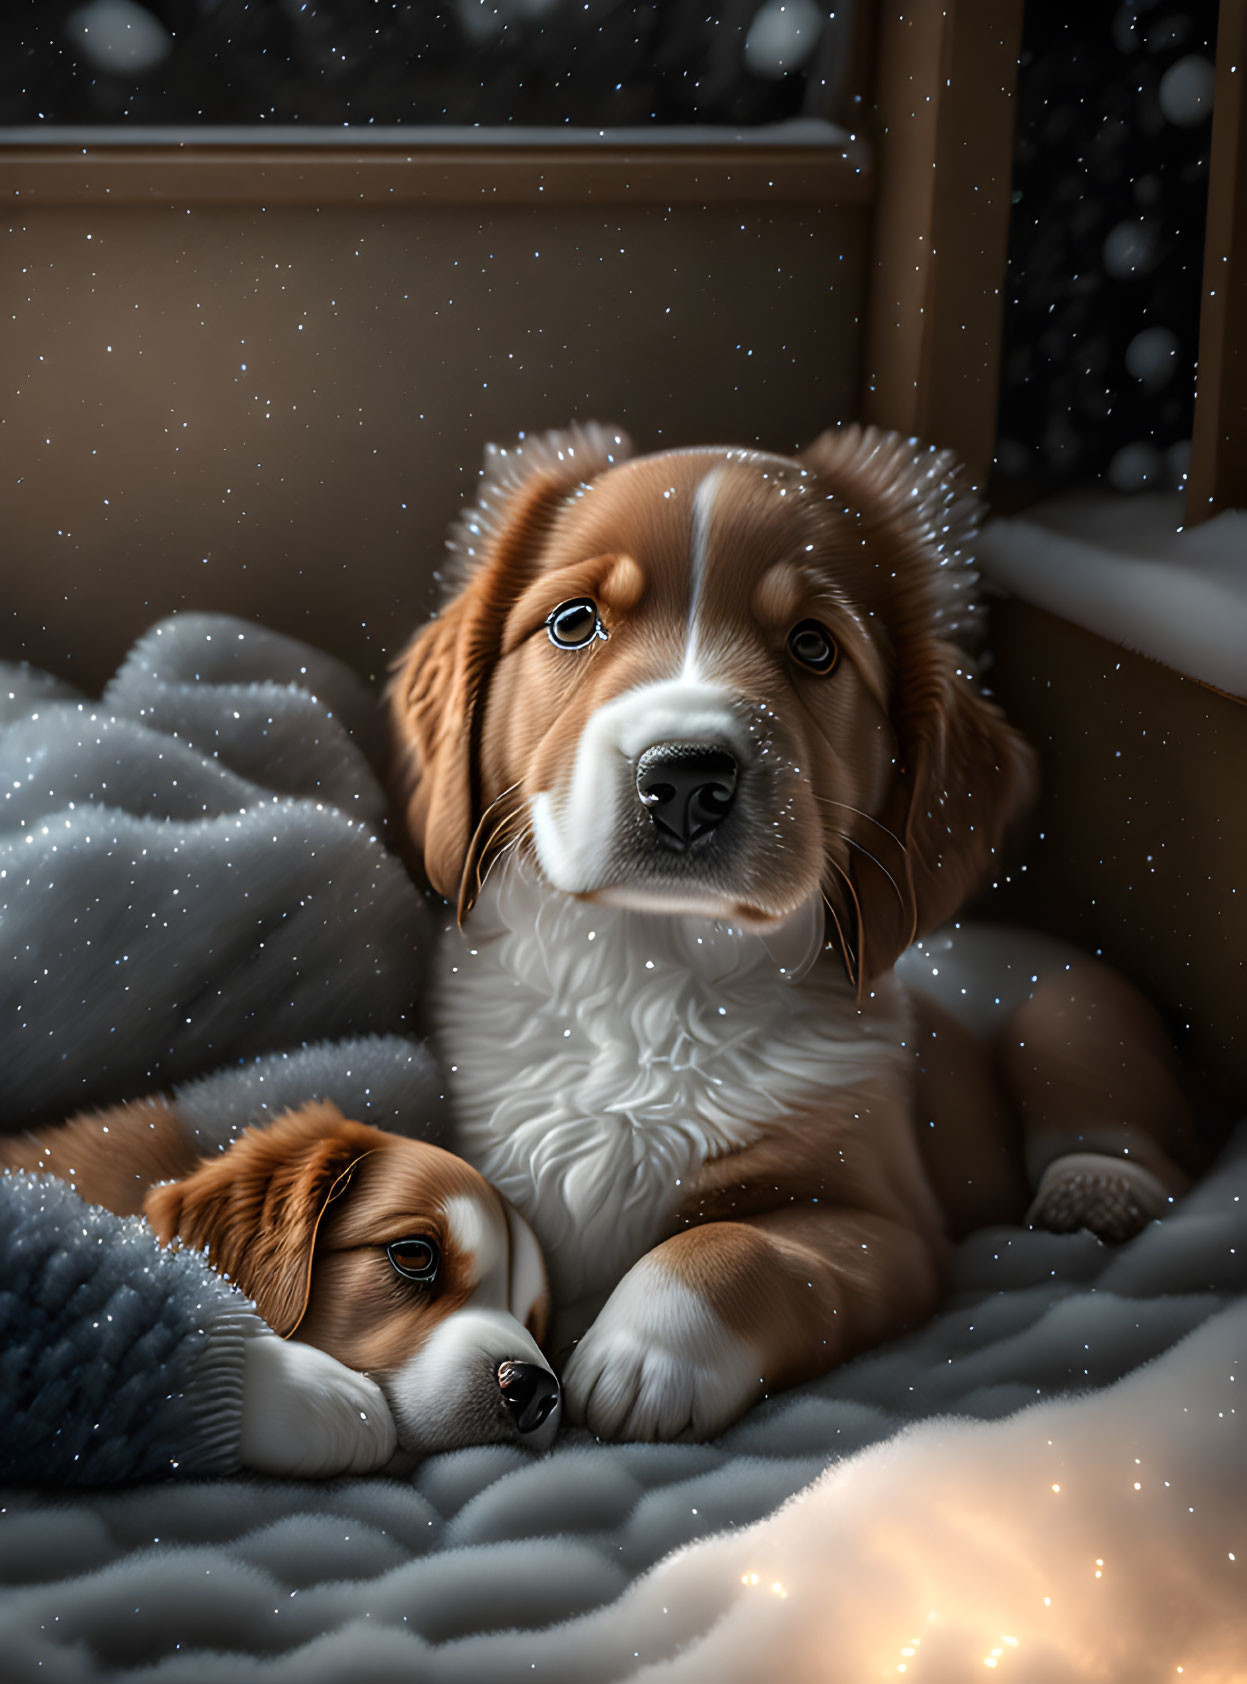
(1050,1477)
(191,876)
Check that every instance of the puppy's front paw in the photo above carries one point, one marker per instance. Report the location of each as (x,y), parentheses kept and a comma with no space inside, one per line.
(659,1363)
(307,1416)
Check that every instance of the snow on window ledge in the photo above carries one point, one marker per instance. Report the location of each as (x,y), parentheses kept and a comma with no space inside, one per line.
(1127,568)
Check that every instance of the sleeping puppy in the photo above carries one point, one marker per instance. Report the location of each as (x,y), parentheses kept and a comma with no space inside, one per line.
(696,749)
(388,1255)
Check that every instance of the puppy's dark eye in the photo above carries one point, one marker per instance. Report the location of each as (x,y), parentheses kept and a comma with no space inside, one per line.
(416,1259)
(575,624)
(813,646)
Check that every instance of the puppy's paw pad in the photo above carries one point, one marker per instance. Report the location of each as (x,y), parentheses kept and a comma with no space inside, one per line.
(305,1415)
(659,1364)
(1112,1197)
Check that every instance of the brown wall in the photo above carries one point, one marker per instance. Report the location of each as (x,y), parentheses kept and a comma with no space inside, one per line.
(1141,830)
(146,470)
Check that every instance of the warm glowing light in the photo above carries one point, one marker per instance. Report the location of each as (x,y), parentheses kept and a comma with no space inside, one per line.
(911,1648)
(1056,1487)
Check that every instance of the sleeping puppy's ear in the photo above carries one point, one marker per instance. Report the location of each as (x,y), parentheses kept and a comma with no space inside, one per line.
(258,1206)
(962,774)
(437,695)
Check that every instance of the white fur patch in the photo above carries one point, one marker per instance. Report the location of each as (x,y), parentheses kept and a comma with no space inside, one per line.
(306,1415)
(676,711)
(476,1232)
(508,1270)
(659,1363)
(699,556)
(573,830)
(598,1057)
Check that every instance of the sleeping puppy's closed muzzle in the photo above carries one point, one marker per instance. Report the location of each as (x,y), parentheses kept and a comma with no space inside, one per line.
(460,1389)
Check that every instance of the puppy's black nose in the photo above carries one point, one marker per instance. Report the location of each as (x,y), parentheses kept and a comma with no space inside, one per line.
(687,788)
(529,1392)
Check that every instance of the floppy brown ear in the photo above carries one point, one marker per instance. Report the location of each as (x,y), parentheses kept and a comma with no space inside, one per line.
(257,1207)
(963,774)
(437,695)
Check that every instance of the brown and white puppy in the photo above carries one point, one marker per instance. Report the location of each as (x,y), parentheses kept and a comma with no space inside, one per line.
(389,1255)
(697,749)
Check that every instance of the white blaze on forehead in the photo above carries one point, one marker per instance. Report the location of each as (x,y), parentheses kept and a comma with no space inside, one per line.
(699,555)
(700,548)
(477,1231)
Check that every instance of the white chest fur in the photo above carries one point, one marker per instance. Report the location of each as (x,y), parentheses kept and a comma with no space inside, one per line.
(599,1057)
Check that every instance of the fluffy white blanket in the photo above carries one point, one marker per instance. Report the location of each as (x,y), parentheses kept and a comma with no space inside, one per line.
(1047,1481)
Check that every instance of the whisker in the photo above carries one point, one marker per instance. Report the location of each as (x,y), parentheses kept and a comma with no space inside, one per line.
(852,959)
(883,868)
(506,848)
(499,830)
(474,846)
(829,801)
(497,799)
(848,883)
(472,880)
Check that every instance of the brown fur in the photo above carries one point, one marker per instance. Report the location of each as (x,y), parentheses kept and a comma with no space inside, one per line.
(819,1238)
(966,1125)
(1089,1067)
(112,1157)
